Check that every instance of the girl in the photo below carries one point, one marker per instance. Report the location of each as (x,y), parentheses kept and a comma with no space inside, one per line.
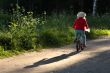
(80,25)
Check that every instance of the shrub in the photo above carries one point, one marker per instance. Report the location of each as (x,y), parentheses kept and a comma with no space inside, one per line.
(54,37)
(5,40)
(24,28)
(99,22)
(4,20)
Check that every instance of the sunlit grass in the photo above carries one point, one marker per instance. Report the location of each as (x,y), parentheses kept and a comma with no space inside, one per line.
(95,33)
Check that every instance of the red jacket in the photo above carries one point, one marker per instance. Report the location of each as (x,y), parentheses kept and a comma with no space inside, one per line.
(80,24)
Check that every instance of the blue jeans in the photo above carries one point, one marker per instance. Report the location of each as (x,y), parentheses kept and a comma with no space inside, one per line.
(80,34)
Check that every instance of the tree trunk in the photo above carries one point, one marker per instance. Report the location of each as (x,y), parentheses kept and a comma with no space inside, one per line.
(94,7)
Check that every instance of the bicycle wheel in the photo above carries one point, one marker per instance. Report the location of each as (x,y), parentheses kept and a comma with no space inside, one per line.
(82,47)
(78,46)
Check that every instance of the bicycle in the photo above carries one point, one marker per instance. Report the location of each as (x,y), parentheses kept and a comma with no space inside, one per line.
(79,44)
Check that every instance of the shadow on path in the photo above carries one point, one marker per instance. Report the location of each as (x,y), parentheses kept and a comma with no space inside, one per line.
(51,60)
(97,64)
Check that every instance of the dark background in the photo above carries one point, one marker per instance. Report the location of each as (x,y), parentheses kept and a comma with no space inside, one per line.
(103,6)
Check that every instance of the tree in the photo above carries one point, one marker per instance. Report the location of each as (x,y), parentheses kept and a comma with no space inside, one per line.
(94,7)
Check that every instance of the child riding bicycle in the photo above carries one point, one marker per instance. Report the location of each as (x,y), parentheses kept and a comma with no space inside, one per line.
(80,25)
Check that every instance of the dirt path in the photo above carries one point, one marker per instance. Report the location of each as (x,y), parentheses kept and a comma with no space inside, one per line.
(94,59)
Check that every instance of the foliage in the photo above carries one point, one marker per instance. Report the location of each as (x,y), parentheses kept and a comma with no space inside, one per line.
(55,31)
(55,38)
(95,33)
(4,19)
(99,22)
(27,32)
(23,29)
(5,40)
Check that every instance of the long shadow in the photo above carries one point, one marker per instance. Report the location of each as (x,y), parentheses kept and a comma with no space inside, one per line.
(51,60)
(97,64)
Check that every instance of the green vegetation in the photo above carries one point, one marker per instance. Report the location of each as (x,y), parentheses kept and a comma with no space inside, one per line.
(22,32)
(99,22)
(95,33)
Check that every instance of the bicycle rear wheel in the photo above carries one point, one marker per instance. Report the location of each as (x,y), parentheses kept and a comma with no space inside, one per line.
(78,46)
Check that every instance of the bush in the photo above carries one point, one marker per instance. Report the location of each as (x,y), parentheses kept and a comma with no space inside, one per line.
(5,40)
(55,37)
(4,20)
(99,22)
(25,42)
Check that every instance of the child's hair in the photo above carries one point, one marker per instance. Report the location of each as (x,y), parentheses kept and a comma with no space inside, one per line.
(81,14)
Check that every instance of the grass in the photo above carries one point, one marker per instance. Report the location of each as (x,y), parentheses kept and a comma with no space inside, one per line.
(96,33)
(8,53)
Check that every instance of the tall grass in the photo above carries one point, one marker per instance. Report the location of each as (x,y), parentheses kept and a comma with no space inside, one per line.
(56,31)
